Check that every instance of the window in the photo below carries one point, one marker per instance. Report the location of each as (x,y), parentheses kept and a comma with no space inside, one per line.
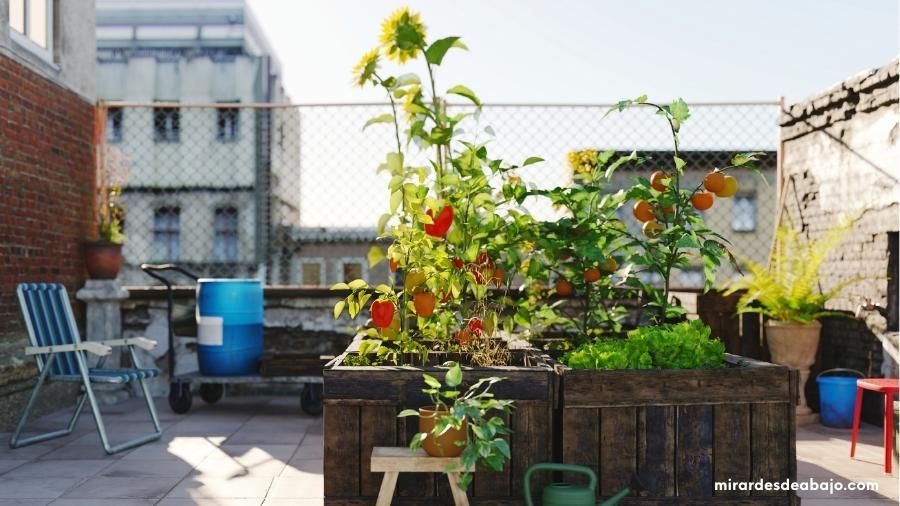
(166,124)
(166,234)
(33,19)
(351,268)
(311,272)
(225,247)
(743,213)
(227,124)
(114,124)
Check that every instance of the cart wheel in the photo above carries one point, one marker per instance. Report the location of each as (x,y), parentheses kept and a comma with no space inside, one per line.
(212,392)
(311,399)
(180,397)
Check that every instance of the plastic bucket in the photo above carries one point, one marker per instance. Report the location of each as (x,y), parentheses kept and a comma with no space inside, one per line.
(837,397)
(229,326)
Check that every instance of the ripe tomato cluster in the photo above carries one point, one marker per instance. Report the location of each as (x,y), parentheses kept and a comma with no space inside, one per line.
(715,184)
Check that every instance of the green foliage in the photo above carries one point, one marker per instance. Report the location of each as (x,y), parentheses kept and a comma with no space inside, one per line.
(478,408)
(111,172)
(684,345)
(481,248)
(684,238)
(787,290)
(587,236)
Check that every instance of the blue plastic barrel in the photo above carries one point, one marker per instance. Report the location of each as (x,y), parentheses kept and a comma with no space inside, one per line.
(837,397)
(229,326)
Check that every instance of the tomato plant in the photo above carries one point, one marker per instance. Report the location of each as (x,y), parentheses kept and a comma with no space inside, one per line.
(674,233)
(578,253)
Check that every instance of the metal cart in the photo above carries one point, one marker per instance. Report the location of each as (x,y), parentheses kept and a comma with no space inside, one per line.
(211,388)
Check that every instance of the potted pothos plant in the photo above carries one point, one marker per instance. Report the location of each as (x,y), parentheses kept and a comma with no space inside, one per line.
(786,293)
(103,253)
(465,424)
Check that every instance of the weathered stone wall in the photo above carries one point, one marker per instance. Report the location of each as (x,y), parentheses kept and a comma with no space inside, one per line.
(841,160)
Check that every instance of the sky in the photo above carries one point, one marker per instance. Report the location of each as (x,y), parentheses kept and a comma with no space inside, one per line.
(583,51)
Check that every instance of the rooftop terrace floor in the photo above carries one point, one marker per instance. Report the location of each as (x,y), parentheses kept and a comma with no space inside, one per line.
(261,450)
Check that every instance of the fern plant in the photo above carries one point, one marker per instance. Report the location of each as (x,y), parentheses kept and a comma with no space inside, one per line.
(787,290)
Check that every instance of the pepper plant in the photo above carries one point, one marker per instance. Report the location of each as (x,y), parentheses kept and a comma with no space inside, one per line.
(453,234)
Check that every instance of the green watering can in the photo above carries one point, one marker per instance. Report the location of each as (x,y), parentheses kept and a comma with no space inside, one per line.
(566,494)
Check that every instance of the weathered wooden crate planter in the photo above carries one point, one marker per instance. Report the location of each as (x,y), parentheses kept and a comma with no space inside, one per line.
(682,430)
(361,407)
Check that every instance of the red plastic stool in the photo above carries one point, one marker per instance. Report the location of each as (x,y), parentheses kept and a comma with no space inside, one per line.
(887,387)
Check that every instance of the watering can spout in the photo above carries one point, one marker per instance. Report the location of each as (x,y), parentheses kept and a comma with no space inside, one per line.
(612,501)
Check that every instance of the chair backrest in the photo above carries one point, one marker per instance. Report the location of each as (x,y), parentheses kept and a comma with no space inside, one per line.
(49,320)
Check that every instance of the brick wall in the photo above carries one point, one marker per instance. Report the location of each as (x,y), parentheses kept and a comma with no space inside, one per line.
(46,181)
(840,160)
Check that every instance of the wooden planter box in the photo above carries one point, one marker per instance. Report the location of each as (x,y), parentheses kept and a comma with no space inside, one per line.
(682,430)
(361,407)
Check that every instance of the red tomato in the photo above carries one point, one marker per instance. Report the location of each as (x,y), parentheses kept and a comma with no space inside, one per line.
(702,200)
(659,181)
(564,288)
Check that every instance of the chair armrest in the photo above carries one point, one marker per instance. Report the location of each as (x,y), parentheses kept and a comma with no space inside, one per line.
(96,348)
(141,342)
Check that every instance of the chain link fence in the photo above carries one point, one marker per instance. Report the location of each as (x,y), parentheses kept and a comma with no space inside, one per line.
(291,193)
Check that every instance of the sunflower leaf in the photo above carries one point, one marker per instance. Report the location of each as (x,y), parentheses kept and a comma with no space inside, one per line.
(383,118)
(465,92)
(436,51)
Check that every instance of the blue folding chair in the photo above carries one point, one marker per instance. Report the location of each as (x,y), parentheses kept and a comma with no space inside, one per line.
(60,356)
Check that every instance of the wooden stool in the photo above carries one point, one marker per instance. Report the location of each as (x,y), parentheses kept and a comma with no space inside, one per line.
(395,460)
(887,387)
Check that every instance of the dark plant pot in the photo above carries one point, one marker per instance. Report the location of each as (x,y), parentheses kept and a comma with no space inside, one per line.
(102,259)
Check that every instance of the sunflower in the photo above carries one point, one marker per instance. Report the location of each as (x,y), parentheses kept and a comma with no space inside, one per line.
(402,35)
(583,161)
(365,69)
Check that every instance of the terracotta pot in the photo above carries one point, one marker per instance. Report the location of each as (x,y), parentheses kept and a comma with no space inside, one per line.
(795,345)
(445,444)
(102,259)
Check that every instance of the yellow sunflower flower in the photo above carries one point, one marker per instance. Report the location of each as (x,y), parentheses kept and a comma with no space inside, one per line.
(402,35)
(365,69)
(583,161)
